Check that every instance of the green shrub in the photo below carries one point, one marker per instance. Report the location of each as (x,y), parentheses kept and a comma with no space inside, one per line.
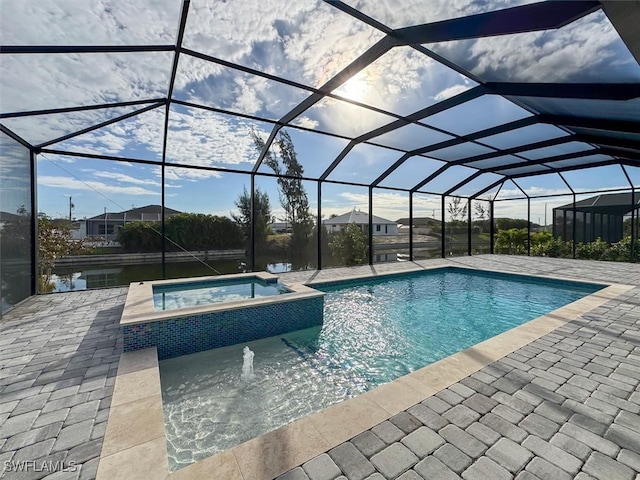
(512,241)
(555,247)
(621,251)
(140,237)
(189,231)
(596,250)
(350,245)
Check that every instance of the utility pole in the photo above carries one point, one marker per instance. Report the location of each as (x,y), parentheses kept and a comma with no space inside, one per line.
(71,205)
(105,225)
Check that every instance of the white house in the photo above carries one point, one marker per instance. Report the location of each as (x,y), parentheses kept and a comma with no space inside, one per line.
(381,226)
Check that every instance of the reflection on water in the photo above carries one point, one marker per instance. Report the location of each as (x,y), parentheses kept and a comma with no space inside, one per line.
(100,276)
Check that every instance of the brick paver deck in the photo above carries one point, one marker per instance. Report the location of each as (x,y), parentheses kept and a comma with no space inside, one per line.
(59,355)
(564,406)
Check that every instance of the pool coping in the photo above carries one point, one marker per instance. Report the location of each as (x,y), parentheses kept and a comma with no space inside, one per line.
(138,306)
(135,442)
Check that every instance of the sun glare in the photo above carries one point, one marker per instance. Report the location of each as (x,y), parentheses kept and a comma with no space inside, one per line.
(356,88)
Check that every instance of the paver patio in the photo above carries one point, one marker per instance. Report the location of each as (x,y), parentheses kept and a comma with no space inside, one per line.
(564,406)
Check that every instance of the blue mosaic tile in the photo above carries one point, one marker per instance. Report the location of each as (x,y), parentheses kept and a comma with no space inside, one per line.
(195,333)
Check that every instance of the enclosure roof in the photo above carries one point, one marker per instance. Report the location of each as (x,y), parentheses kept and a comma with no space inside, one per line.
(451,98)
(619,203)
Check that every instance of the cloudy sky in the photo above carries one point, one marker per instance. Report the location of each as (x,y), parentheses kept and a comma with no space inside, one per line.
(306,42)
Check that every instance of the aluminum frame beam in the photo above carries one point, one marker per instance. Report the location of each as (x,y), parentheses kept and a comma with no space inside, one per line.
(525,18)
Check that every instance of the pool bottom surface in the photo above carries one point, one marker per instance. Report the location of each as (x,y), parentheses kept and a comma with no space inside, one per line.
(373,332)
(208,406)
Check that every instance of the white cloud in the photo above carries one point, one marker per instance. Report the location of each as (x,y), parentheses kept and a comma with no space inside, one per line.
(120,177)
(70,183)
(188,174)
(101,22)
(396,14)
(306,122)
(533,191)
(451,92)
(34,82)
(196,137)
(588,49)
(200,138)
(308,41)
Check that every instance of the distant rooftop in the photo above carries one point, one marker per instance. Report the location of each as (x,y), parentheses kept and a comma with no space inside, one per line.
(357,217)
(148,212)
(614,203)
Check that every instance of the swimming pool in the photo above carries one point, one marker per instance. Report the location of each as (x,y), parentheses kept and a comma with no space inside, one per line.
(373,332)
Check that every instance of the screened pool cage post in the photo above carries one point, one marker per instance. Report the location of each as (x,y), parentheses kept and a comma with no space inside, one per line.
(34,223)
(492,228)
(411,226)
(528,215)
(370,225)
(162,223)
(573,226)
(252,230)
(528,226)
(574,229)
(469,227)
(320,226)
(633,224)
(633,213)
(442,228)
(165,135)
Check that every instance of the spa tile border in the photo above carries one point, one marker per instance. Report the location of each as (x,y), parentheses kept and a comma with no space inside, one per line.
(138,306)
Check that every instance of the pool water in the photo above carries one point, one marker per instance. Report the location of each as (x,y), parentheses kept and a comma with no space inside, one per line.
(373,332)
(192,294)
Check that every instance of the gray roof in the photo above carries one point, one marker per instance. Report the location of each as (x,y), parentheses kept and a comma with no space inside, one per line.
(139,213)
(614,203)
(357,217)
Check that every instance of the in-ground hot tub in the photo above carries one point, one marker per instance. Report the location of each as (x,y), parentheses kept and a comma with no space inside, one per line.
(186,316)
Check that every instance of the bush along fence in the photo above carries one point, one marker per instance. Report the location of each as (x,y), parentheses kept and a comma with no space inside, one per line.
(191,231)
(514,242)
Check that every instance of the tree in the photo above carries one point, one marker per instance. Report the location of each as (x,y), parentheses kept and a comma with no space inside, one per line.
(16,234)
(350,245)
(481,210)
(54,241)
(293,196)
(509,223)
(15,238)
(262,209)
(456,210)
(482,213)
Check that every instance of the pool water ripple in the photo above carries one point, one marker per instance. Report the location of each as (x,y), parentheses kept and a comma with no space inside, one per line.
(374,332)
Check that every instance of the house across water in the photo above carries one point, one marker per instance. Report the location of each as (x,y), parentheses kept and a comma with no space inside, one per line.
(381,226)
(106,225)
